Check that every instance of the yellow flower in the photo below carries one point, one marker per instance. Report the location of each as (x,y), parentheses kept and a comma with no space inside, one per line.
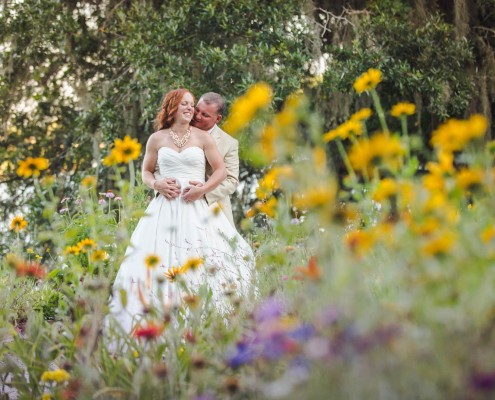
(362,114)
(441,244)
(59,376)
(86,245)
(268,207)
(488,233)
(126,150)
(30,250)
(454,134)
(172,273)
(245,107)
(317,196)
(444,166)
(271,181)
(18,223)
(112,159)
(385,189)
(152,261)
(359,242)
(98,255)
(403,109)
(343,131)
(72,250)
(368,80)
(267,139)
(88,181)
(320,159)
(470,179)
(46,396)
(428,226)
(48,181)
(380,149)
(434,182)
(32,166)
(193,263)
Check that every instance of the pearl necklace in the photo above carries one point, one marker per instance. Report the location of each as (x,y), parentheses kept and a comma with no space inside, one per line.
(180,142)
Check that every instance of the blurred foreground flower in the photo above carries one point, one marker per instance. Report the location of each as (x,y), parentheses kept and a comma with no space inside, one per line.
(172,273)
(152,261)
(454,134)
(245,107)
(193,263)
(86,245)
(311,271)
(149,331)
(32,269)
(18,223)
(32,166)
(59,376)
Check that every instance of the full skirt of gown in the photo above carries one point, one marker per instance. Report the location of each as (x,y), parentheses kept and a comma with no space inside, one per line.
(177,233)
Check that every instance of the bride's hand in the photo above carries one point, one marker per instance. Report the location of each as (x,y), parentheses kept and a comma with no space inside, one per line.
(167,187)
(193,192)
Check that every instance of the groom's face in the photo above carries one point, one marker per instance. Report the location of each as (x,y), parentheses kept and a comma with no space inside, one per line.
(205,116)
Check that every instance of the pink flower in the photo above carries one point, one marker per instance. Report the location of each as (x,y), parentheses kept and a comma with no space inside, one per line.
(63,210)
(101,201)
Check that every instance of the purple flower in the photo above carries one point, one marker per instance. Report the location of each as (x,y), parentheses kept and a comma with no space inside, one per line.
(101,201)
(483,381)
(302,333)
(118,198)
(242,354)
(269,310)
(63,210)
(77,201)
(295,221)
(205,396)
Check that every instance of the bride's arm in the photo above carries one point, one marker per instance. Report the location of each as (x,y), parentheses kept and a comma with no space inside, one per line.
(195,192)
(149,162)
(165,186)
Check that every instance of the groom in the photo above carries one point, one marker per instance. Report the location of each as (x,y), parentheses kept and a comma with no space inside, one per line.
(207,114)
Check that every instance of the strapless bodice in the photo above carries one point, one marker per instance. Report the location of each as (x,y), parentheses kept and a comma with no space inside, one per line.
(188,164)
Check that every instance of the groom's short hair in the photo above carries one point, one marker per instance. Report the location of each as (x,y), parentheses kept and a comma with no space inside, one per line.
(214,98)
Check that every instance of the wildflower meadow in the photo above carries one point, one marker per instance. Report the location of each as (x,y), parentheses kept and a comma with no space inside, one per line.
(374,283)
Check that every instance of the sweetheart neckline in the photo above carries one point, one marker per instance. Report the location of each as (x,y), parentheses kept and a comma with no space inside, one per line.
(178,152)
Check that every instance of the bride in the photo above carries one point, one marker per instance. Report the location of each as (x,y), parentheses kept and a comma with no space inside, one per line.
(180,245)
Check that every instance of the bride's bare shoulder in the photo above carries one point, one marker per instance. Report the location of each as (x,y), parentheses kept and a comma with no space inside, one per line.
(202,135)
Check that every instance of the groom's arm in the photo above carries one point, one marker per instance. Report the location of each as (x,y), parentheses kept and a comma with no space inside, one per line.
(229,184)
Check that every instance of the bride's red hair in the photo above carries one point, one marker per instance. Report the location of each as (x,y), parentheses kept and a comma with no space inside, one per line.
(170,104)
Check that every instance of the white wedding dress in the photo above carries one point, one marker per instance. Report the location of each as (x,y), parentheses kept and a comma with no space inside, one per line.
(176,232)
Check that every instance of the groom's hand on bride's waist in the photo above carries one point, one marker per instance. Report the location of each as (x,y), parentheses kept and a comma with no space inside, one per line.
(193,192)
(168,187)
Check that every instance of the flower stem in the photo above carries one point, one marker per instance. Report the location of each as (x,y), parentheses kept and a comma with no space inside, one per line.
(379,110)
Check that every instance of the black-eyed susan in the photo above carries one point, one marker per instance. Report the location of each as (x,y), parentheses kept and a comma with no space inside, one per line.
(349,128)
(32,166)
(317,196)
(111,159)
(470,179)
(245,107)
(98,255)
(361,115)
(380,150)
(193,263)
(88,181)
(18,223)
(359,242)
(173,273)
(386,188)
(368,80)
(86,245)
(74,250)
(403,109)
(152,261)
(59,376)
(268,207)
(454,134)
(440,244)
(488,233)
(127,149)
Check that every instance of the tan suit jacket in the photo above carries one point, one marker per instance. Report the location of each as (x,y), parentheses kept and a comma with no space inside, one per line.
(229,150)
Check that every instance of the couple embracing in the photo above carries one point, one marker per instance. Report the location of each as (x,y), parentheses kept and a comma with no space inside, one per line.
(187,239)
